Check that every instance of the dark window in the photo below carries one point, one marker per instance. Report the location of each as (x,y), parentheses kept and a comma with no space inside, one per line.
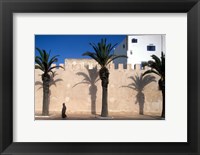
(131,52)
(123,46)
(134,40)
(151,48)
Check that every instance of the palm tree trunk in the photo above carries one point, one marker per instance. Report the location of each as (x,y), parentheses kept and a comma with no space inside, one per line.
(162,88)
(104,75)
(45,108)
(163,109)
(104,111)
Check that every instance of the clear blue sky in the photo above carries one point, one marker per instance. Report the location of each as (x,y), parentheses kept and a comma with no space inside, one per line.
(71,46)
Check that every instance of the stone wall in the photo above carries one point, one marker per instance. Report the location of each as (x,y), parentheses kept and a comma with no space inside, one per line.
(79,87)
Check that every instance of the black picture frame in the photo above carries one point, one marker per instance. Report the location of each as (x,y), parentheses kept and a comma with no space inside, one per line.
(8,7)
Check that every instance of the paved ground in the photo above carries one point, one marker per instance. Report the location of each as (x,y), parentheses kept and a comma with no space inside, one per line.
(98,117)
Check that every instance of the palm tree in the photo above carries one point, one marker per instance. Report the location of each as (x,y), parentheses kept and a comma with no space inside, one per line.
(139,83)
(44,62)
(103,56)
(158,67)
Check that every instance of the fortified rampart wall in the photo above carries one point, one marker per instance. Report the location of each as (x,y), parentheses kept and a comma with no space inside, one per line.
(80,88)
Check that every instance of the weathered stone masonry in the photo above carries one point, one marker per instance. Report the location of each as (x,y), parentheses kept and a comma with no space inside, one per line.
(78,86)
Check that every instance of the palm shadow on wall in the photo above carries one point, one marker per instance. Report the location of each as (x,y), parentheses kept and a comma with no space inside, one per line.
(52,82)
(139,83)
(91,78)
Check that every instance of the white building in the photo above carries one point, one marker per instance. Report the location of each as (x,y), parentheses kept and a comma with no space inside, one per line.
(139,48)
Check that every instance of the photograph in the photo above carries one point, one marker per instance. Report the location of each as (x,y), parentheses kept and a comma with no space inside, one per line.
(90,77)
(99,77)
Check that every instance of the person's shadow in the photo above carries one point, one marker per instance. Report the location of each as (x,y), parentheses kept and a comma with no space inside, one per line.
(91,78)
(139,83)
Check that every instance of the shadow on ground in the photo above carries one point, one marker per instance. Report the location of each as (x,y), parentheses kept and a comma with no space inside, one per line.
(98,117)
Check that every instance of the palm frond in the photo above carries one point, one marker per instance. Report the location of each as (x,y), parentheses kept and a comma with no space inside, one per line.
(53,73)
(96,80)
(41,53)
(144,64)
(38,62)
(113,57)
(96,49)
(102,52)
(39,67)
(111,48)
(53,60)
(155,66)
(45,56)
(61,67)
(139,82)
(83,82)
(156,59)
(92,55)
(39,58)
(53,82)
(108,49)
(49,55)
(51,68)
(101,49)
(148,79)
(38,83)
(150,71)
(86,77)
(45,61)
(129,86)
